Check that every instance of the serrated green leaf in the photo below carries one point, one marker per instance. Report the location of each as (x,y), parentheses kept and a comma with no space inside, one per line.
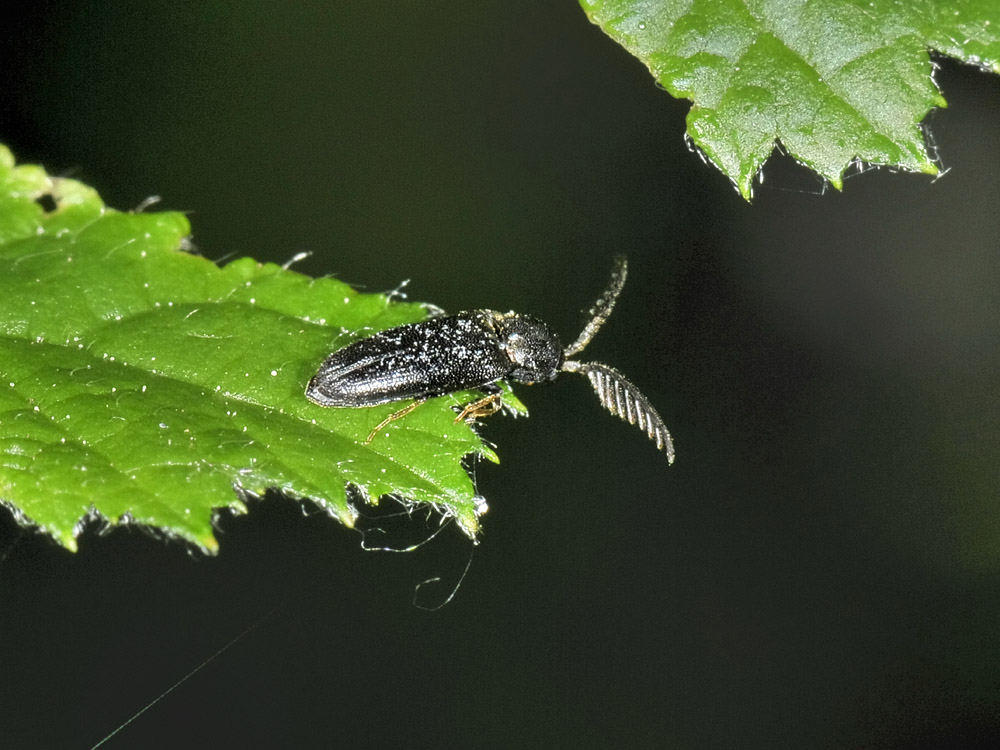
(143,383)
(834,81)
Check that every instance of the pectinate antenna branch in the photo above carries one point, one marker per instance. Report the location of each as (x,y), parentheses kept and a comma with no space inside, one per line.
(623,399)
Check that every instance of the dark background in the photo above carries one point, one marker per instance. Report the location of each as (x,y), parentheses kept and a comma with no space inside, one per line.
(819,568)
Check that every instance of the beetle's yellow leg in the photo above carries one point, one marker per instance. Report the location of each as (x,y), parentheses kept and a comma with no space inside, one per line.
(481,407)
(392,418)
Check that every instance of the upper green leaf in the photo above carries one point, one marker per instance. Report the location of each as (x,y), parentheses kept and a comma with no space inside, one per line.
(834,81)
(144,383)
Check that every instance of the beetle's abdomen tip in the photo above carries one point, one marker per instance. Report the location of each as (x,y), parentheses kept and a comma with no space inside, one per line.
(316,393)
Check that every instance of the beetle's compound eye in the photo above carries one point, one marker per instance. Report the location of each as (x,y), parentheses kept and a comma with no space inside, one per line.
(533,348)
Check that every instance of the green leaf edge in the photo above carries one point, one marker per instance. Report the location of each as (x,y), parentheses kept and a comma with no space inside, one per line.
(632,29)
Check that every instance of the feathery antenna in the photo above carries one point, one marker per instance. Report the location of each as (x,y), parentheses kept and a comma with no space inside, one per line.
(602,308)
(623,399)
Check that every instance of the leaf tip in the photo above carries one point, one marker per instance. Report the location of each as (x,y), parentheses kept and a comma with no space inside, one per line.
(69,542)
(209,544)
(469,523)
(347,516)
(930,168)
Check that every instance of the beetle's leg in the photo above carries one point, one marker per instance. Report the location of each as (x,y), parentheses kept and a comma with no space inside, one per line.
(392,418)
(483,407)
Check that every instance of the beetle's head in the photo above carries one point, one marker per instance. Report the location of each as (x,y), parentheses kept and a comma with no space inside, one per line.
(534,349)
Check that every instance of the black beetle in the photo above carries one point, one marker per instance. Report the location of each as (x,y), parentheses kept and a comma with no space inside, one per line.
(475,350)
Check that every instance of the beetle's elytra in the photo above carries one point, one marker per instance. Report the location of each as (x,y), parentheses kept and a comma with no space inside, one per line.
(475,350)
